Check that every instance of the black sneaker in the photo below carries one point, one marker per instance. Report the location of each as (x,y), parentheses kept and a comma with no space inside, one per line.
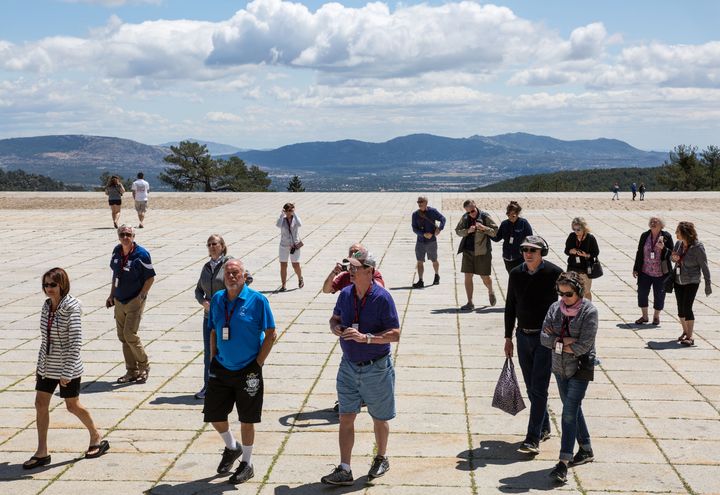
(559,472)
(228,459)
(380,466)
(544,435)
(419,284)
(529,447)
(436,280)
(582,457)
(338,477)
(243,473)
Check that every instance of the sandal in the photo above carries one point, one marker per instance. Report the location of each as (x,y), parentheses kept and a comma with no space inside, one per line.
(142,375)
(36,461)
(282,289)
(127,377)
(641,320)
(100,449)
(656,321)
(301,283)
(687,342)
(682,337)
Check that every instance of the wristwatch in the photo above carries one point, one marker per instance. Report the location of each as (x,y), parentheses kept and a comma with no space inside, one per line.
(368,338)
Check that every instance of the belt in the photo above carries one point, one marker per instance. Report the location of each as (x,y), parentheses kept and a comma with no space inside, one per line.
(368,363)
(529,331)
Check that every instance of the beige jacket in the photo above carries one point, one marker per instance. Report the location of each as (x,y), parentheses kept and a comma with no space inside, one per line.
(482,244)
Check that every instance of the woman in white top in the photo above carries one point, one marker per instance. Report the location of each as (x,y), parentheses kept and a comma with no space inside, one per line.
(290,244)
(59,363)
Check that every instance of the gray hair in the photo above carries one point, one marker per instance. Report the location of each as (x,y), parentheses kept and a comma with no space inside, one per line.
(126,227)
(660,221)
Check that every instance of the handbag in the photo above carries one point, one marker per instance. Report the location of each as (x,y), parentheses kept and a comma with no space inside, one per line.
(586,367)
(507,396)
(594,269)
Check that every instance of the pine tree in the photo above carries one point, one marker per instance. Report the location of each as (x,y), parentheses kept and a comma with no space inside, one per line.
(295,185)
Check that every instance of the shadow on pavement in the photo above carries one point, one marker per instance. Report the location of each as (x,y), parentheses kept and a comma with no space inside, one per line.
(99,387)
(490,452)
(529,481)
(314,488)
(321,417)
(188,400)
(489,309)
(13,472)
(670,344)
(202,486)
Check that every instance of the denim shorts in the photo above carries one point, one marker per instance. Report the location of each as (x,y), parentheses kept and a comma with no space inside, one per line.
(373,384)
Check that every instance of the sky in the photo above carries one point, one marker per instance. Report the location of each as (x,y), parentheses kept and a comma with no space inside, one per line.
(267,73)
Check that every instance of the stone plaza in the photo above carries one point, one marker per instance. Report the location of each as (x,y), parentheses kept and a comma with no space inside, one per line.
(653,410)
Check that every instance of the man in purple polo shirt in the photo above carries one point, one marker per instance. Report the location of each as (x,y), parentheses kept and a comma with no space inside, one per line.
(367,322)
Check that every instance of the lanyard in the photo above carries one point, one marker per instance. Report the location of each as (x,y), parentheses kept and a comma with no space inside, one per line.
(681,254)
(565,326)
(123,258)
(51,318)
(578,241)
(653,240)
(359,307)
(232,311)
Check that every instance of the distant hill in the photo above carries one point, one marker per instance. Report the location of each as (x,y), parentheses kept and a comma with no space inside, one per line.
(78,159)
(597,180)
(215,149)
(18,180)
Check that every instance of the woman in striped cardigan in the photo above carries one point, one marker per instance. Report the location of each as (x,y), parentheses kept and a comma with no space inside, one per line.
(59,363)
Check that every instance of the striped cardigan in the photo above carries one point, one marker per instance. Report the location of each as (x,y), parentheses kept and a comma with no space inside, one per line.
(63,361)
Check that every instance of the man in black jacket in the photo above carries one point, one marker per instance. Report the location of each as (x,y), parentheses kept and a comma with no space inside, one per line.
(531,291)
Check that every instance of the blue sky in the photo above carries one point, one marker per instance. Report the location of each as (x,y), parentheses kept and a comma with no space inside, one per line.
(273,72)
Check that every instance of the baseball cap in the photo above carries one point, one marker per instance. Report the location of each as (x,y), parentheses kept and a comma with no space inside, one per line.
(362,257)
(534,241)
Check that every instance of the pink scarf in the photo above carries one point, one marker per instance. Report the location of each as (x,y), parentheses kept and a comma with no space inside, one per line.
(571,311)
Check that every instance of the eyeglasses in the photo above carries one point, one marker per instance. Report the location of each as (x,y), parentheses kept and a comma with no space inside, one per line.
(577,229)
(50,284)
(529,250)
(125,234)
(565,294)
(212,244)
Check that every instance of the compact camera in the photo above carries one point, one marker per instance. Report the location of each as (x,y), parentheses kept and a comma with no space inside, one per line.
(344,267)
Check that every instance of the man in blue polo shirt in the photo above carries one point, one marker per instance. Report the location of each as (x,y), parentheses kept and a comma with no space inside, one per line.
(241,337)
(133,275)
(367,322)
(425,227)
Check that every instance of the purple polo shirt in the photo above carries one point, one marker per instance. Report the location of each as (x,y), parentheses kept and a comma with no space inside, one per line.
(376,315)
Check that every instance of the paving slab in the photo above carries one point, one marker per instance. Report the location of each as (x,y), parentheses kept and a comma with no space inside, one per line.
(653,410)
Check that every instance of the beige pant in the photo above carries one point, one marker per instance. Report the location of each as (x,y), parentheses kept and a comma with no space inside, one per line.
(127,320)
(587,283)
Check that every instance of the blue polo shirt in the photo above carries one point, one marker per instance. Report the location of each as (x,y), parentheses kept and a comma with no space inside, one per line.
(376,315)
(250,316)
(129,275)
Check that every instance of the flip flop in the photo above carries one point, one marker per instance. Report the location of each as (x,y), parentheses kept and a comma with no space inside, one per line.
(682,337)
(642,320)
(301,283)
(101,448)
(36,461)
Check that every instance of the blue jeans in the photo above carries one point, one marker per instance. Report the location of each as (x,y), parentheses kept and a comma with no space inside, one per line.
(206,350)
(645,281)
(572,392)
(535,362)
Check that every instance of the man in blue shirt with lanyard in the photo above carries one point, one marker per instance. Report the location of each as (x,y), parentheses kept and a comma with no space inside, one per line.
(241,337)
(133,275)
(367,322)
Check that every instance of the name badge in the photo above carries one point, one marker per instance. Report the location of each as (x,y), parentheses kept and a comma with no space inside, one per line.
(577,259)
(117,282)
(226,333)
(677,270)
(356,326)
(652,255)
(558,347)
(510,241)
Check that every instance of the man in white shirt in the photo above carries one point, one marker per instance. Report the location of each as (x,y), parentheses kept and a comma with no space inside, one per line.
(140,190)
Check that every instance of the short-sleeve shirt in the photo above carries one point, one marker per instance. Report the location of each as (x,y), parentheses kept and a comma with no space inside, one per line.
(141,188)
(342,280)
(250,315)
(376,315)
(130,274)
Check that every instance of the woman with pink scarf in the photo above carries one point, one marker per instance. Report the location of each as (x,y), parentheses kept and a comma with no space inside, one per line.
(569,331)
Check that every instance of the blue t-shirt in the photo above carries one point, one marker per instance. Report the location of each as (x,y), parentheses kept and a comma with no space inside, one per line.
(130,278)
(377,315)
(250,317)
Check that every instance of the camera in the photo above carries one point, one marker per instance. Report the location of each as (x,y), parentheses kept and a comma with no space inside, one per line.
(343,267)
(292,250)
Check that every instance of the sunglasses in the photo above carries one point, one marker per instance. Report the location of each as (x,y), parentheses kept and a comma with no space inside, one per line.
(353,268)
(577,229)
(50,284)
(529,250)
(124,234)
(212,244)
(565,294)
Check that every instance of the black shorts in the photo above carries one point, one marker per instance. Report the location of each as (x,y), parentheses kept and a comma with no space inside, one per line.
(114,202)
(50,384)
(243,389)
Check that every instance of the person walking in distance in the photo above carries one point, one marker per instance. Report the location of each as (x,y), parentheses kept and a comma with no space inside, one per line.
(140,190)
(366,321)
(531,292)
(242,336)
(133,275)
(476,229)
(427,223)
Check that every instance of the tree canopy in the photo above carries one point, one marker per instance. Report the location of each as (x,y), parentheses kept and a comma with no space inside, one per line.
(19,180)
(295,184)
(193,169)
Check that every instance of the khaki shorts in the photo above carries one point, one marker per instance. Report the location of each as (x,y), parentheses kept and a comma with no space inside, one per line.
(141,206)
(479,265)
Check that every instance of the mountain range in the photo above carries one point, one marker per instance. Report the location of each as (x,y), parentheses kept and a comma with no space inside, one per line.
(414,162)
